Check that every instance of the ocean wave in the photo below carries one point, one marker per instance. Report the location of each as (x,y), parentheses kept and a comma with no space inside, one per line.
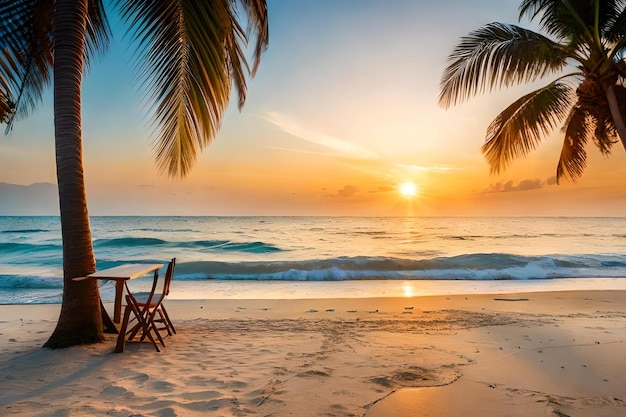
(29,282)
(45,286)
(217,245)
(252,247)
(228,245)
(21,231)
(161,229)
(13,247)
(493,266)
(129,241)
(207,244)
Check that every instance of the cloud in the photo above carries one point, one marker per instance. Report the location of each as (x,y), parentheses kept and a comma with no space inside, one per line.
(423,168)
(383,189)
(345,192)
(339,146)
(509,186)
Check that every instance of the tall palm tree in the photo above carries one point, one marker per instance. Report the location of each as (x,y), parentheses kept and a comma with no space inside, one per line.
(584,47)
(193,52)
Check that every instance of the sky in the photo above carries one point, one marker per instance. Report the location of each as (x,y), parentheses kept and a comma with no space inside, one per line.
(342,111)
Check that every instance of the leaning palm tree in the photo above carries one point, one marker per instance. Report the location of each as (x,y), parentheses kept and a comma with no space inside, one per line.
(192,53)
(584,47)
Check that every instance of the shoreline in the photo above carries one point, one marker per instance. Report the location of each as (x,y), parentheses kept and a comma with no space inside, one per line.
(521,353)
(233,289)
(215,289)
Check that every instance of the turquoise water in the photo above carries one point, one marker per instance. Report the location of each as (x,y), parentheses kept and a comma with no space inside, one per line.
(318,250)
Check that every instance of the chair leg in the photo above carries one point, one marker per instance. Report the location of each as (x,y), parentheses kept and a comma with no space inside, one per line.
(151,326)
(149,334)
(142,323)
(133,330)
(168,322)
(166,325)
(146,332)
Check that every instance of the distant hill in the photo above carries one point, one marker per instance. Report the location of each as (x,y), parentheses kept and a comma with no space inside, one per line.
(40,199)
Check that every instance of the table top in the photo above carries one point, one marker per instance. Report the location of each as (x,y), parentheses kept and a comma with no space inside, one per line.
(126,271)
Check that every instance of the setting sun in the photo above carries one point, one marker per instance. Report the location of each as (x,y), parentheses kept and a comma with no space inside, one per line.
(408,189)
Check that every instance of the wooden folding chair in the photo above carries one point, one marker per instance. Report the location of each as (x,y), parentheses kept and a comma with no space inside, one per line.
(149,314)
(159,308)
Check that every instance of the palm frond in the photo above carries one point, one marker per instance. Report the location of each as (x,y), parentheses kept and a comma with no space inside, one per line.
(604,136)
(193,54)
(615,34)
(235,38)
(519,128)
(573,158)
(498,55)
(7,67)
(568,19)
(98,31)
(600,122)
(26,33)
(615,28)
(5,108)
(258,25)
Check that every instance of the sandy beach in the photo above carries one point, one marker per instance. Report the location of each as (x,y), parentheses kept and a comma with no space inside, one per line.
(523,354)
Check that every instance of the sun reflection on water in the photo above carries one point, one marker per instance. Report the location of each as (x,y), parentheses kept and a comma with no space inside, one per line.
(408,290)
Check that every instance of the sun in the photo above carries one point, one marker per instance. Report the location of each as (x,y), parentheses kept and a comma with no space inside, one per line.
(408,189)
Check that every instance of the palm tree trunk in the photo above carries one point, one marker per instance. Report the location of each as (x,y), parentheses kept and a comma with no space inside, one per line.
(616,113)
(80,320)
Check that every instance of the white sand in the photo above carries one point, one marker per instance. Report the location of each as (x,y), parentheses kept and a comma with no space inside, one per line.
(524,354)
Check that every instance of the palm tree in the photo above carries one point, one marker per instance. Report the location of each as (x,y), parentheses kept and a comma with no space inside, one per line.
(193,53)
(584,47)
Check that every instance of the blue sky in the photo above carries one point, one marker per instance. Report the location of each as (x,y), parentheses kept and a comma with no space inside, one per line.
(341,112)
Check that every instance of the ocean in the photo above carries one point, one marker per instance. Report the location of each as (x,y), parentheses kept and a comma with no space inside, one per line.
(258,257)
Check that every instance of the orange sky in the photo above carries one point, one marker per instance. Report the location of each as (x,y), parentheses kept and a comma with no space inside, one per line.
(342,111)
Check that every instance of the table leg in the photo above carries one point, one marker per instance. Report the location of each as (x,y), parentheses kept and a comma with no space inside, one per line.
(121,337)
(117,306)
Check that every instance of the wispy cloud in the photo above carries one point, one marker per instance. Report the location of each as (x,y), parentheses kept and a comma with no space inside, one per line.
(510,186)
(338,146)
(282,148)
(383,189)
(427,168)
(345,192)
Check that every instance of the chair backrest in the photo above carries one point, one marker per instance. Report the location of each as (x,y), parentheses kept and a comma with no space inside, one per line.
(154,297)
(169,274)
(152,292)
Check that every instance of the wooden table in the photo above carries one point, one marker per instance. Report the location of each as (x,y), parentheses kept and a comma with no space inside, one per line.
(120,274)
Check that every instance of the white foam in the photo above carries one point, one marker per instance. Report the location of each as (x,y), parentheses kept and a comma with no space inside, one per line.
(212,289)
